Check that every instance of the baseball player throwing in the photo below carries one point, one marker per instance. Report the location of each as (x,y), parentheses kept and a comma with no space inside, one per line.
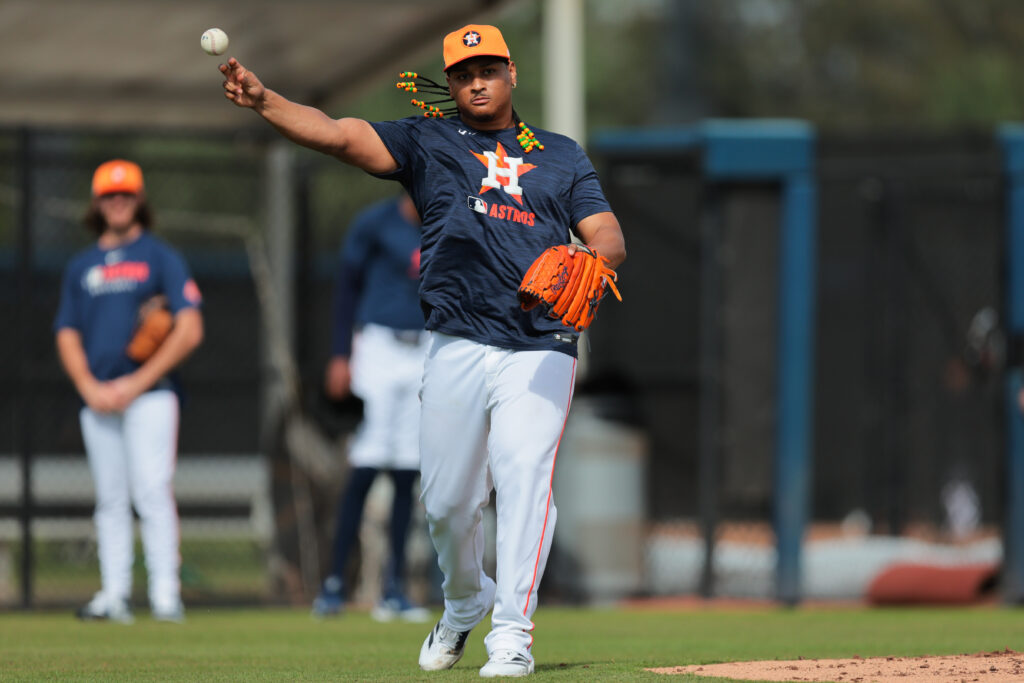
(130,417)
(498,379)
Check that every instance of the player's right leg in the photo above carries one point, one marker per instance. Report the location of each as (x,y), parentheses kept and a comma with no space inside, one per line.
(394,603)
(348,518)
(108,463)
(455,488)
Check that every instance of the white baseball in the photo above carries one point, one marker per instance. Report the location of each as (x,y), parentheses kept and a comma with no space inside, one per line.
(214,41)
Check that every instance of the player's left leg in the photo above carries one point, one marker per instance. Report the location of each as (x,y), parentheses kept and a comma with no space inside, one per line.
(395,603)
(531,403)
(398,530)
(151,435)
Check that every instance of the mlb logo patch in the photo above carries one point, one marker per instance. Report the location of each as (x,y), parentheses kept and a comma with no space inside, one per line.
(476,204)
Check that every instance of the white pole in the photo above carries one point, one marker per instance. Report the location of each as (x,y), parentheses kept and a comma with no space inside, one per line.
(279,232)
(563,90)
(563,68)
(280,229)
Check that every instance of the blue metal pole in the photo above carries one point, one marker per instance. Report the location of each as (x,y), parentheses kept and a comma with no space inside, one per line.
(793,464)
(1012,137)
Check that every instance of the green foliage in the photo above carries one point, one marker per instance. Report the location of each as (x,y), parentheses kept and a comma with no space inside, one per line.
(926,65)
(571,645)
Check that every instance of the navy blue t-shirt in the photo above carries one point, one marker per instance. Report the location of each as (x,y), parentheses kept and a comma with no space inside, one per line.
(103,289)
(488,211)
(378,275)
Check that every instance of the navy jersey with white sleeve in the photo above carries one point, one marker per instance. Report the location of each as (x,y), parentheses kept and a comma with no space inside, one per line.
(488,211)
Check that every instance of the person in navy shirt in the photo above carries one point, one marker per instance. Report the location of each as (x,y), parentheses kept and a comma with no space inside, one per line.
(498,381)
(129,418)
(377,350)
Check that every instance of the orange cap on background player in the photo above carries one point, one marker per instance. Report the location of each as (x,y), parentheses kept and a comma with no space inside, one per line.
(474,40)
(117,175)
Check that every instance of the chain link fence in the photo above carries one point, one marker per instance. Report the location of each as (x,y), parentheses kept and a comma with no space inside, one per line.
(908,440)
(908,450)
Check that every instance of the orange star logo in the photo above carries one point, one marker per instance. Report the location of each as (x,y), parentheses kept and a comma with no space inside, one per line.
(503,171)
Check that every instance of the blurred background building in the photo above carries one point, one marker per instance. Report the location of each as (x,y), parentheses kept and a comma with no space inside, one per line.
(669,480)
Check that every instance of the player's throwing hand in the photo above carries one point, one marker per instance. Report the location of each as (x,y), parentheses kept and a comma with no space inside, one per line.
(241,85)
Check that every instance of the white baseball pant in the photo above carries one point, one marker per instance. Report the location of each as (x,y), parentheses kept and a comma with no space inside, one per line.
(132,456)
(387,373)
(492,419)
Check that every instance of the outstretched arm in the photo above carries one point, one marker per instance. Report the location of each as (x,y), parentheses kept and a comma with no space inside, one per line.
(351,140)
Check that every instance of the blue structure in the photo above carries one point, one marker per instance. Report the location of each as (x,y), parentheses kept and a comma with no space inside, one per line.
(782,152)
(1011,136)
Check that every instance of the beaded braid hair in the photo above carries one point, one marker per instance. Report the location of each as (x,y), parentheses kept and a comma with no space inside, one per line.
(417,83)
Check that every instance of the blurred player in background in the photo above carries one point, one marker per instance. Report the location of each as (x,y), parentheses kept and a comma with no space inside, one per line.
(130,415)
(498,380)
(377,350)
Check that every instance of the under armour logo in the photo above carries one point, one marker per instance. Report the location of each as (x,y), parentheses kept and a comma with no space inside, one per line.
(471,38)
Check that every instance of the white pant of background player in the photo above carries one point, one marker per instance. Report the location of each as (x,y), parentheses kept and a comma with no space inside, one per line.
(387,370)
(492,418)
(132,456)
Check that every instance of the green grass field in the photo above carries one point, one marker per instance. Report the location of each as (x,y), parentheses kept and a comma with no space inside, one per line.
(571,644)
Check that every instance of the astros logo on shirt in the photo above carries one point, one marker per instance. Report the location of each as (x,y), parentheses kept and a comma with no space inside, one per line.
(123,276)
(503,172)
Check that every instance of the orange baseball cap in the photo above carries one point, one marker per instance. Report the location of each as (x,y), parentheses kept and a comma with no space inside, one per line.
(117,175)
(473,40)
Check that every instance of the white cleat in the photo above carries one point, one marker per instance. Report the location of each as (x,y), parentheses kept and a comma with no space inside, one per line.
(399,608)
(442,648)
(101,608)
(173,613)
(507,663)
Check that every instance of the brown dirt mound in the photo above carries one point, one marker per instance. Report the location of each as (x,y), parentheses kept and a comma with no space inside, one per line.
(986,667)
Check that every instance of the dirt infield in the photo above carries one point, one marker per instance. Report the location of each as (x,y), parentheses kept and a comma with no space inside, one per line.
(985,667)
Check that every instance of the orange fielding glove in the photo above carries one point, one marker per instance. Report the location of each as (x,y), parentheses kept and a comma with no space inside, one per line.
(155,323)
(568,287)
